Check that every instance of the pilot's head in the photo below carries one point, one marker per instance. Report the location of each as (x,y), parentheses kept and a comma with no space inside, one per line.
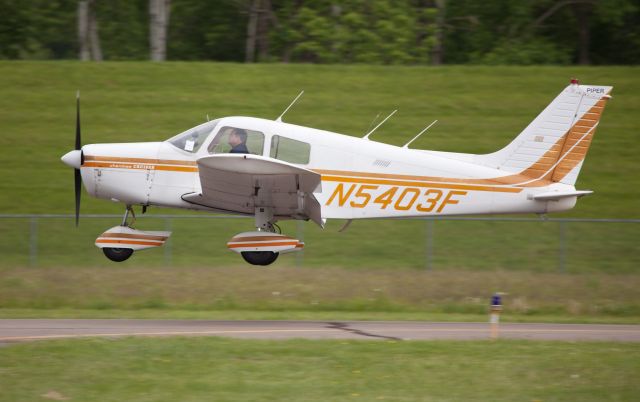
(237,136)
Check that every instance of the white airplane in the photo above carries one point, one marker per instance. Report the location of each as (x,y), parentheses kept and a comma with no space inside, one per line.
(275,171)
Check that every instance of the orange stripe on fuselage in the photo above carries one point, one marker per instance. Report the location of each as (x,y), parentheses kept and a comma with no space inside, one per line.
(140,166)
(493,181)
(421,184)
(140,160)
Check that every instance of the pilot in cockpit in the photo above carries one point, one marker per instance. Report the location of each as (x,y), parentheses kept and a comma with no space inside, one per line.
(238,141)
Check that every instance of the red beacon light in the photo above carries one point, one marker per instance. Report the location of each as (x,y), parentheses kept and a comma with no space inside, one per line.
(574,81)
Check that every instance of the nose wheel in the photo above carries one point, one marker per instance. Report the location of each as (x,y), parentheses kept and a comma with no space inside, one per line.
(119,242)
(117,254)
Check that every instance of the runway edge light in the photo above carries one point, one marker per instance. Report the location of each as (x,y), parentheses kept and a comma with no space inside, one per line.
(494,316)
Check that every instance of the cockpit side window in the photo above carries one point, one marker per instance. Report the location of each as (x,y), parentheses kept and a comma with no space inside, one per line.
(237,140)
(289,150)
(192,139)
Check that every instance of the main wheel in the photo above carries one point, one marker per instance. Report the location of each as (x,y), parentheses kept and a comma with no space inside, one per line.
(117,254)
(259,257)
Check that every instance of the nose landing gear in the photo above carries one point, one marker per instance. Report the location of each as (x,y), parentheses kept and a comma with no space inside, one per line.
(119,242)
(117,254)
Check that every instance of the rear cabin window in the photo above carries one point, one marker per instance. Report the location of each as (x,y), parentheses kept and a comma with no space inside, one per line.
(288,150)
(237,140)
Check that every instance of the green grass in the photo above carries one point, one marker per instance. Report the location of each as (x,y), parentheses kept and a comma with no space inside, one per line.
(289,293)
(216,369)
(481,246)
(480,109)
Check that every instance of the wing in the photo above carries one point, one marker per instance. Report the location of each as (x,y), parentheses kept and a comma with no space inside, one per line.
(240,183)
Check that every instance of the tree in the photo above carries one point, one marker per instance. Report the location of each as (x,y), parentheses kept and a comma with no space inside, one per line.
(88,31)
(252,31)
(199,31)
(14,35)
(355,31)
(261,19)
(437,51)
(158,23)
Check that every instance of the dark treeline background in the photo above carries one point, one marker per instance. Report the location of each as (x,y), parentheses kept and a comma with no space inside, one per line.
(335,31)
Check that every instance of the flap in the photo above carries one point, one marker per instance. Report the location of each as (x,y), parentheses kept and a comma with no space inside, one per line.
(240,183)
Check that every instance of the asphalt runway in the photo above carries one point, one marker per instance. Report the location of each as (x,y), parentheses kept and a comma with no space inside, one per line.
(19,330)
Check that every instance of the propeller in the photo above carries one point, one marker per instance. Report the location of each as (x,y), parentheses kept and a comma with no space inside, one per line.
(76,172)
(75,159)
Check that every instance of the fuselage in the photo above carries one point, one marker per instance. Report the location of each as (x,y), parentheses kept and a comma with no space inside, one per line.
(360,178)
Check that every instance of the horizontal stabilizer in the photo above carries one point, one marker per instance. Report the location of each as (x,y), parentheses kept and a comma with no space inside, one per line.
(557,195)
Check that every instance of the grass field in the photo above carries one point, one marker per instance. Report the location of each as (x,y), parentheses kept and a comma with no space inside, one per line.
(216,369)
(289,293)
(472,245)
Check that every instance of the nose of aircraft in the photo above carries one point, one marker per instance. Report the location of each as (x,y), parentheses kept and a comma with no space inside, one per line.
(73,158)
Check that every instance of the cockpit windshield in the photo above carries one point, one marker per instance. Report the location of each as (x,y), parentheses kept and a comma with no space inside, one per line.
(192,139)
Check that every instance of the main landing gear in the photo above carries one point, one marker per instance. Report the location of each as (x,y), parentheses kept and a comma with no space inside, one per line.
(119,242)
(260,257)
(263,246)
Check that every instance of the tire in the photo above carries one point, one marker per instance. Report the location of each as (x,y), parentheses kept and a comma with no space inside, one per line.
(117,254)
(259,257)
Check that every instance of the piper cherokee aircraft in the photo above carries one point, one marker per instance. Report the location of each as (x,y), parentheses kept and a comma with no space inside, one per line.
(274,171)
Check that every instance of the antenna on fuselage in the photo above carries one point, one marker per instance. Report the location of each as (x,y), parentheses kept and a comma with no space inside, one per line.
(366,136)
(207,116)
(419,134)
(289,107)
(373,122)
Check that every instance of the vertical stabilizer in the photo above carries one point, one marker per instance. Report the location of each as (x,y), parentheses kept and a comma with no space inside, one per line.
(553,147)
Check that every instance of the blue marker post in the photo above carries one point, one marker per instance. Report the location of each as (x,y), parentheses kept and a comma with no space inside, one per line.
(494,317)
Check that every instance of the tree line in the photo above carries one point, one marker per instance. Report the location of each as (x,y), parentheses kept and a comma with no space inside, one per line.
(410,32)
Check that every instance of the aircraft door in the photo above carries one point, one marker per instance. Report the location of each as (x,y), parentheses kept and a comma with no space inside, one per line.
(176,176)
